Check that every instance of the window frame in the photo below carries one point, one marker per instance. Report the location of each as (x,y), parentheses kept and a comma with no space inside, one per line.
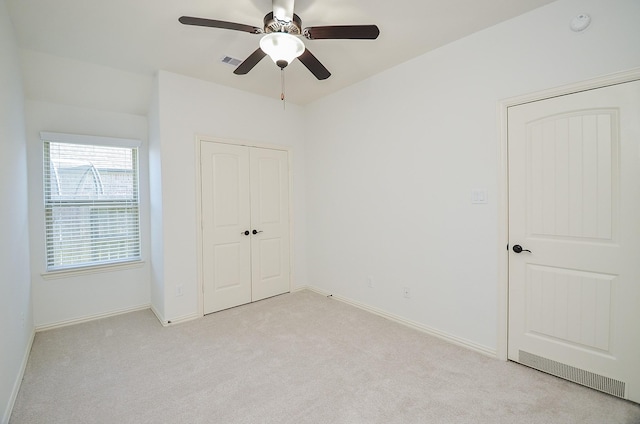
(96,266)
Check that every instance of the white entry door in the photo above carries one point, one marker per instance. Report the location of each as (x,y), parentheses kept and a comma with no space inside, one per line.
(574,216)
(245,224)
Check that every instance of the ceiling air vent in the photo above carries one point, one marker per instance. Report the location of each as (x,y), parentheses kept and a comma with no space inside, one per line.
(230,61)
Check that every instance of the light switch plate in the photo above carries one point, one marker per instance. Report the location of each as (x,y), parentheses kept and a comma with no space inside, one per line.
(479,196)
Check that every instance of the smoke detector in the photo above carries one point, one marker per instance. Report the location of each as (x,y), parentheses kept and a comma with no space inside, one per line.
(580,22)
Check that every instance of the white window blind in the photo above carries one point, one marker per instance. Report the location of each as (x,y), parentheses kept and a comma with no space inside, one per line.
(91,204)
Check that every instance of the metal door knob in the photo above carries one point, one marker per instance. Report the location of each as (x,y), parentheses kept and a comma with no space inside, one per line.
(246,233)
(256,231)
(518,249)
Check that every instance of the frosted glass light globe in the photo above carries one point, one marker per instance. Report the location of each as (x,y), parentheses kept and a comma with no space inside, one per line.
(281,47)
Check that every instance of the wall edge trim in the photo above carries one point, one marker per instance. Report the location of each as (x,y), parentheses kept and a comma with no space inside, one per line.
(88,318)
(169,322)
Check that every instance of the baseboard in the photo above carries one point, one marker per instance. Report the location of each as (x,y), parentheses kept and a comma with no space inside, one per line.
(74,321)
(158,315)
(302,288)
(412,324)
(18,381)
(180,320)
(166,323)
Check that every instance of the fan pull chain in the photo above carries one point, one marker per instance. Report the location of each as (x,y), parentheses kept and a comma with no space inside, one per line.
(282,97)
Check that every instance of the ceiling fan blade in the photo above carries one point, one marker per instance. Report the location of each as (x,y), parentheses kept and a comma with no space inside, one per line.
(343,32)
(250,62)
(314,65)
(283,10)
(189,20)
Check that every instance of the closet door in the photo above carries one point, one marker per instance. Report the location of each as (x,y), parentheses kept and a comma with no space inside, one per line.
(245,224)
(270,221)
(226,250)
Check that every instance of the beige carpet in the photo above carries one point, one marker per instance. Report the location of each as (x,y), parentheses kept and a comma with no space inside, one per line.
(298,358)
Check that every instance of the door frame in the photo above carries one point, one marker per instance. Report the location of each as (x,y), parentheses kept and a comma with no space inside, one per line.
(210,139)
(503,184)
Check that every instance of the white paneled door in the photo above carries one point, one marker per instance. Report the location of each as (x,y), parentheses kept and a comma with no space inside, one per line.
(245,224)
(574,237)
(270,219)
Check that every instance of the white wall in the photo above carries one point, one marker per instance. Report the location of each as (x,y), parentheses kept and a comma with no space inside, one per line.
(61,300)
(190,107)
(16,320)
(391,163)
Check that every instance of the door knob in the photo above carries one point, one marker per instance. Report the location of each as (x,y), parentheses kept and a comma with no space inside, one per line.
(246,233)
(518,249)
(256,231)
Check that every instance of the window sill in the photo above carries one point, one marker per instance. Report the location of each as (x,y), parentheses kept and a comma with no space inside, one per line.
(74,272)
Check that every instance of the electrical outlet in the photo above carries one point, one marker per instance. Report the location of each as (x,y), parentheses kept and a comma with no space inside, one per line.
(406,292)
(370,282)
(179,290)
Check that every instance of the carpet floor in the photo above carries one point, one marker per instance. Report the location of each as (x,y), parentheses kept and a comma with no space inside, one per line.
(295,358)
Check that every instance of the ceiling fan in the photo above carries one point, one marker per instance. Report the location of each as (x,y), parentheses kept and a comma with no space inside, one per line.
(282,43)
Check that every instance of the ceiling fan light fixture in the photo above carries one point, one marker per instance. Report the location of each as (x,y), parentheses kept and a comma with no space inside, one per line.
(282,48)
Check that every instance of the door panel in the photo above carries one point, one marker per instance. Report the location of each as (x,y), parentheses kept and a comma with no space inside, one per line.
(226,253)
(227,270)
(270,215)
(574,201)
(571,175)
(568,305)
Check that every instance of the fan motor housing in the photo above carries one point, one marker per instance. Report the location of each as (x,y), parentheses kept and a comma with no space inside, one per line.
(271,24)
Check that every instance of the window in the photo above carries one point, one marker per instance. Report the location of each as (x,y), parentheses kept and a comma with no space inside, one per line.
(91,201)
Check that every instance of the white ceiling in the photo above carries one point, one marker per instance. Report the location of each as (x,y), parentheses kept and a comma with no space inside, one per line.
(142,36)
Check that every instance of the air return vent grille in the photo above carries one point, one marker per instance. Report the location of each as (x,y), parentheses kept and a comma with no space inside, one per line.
(577,375)
(230,60)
